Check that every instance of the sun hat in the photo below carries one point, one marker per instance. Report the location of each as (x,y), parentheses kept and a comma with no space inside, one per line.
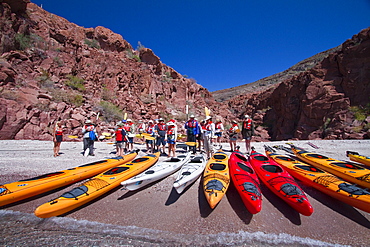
(88,122)
(246,116)
(129,120)
(120,124)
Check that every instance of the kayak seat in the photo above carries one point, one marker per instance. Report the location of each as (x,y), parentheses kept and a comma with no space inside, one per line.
(196,160)
(186,173)
(75,192)
(245,168)
(260,158)
(272,168)
(149,172)
(241,157)
(219,157)
(217,166)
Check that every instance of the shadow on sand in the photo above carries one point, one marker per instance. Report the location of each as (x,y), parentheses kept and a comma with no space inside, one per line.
(237,204)
(282,206)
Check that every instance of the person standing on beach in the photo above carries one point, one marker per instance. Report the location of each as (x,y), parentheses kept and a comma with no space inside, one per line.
(141,129)
(219,128)
(150,142)
(161,131)
(233,135)
(247,131)
(89,137)
(57,137)
(192,132)
(130,132)
(207,136)
(171,138)
(120,138)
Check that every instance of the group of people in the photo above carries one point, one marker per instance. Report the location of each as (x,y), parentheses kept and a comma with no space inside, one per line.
(208,133)
(157,134)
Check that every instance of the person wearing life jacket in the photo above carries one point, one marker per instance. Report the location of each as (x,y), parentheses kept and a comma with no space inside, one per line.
(219,128)
(171,138)
(247,131)
(57,137)
(141,128)
(130,132)
(150,142)
(120,134)
(233,135)
(192,131)
(161,131)
(209,130)
(201,129)
(89,137)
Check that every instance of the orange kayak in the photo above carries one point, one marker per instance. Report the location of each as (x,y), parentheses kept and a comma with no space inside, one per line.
(16,191)
(95,187)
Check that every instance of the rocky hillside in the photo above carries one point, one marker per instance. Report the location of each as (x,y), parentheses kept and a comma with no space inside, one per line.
(51,70)
(331,100)
(265,83)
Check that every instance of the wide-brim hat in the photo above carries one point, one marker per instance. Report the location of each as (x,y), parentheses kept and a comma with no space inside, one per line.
(120,124)
(246,116)
(88,122)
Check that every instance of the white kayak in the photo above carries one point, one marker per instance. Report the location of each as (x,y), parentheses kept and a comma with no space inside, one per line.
(189,173)
(156,172)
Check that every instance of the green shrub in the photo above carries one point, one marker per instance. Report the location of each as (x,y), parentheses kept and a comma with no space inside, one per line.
(23,40)
(109,111)
(75,83)
(44,80)
(70,98)
(92,43)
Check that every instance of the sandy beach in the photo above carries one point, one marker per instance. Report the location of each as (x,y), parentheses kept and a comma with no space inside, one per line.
(158,207)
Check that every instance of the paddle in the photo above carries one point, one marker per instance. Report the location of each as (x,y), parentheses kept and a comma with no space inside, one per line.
(72,137)
(192,144)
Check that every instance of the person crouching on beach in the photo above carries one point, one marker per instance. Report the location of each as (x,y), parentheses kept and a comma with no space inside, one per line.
(120,139)
(89,138)
(57,137)
(171,138)
(233,135)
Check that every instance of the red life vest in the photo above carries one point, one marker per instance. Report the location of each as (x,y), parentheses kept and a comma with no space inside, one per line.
(141,126)
(247,124)
(119,136)
(149,129)
(231,130)
(59,131)
(218,125)
(161,126)
(192,123)
(209,126)
(128,126)
(171,130)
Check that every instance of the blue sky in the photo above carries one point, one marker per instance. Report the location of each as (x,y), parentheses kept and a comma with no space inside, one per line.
(222,44)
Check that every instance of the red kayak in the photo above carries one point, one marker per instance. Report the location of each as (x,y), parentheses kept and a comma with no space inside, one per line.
(246,182)
(280,182)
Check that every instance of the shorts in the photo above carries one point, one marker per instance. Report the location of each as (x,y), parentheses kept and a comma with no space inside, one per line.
(218,134)
(130,139)
(58,138)
(199,137)
(247,134)
(119,144)
(171,141)
(160,141)
(149,141)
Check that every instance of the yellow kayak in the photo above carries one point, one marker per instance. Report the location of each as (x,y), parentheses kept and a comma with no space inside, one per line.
(216,178)
(349,171)
(324,181)
(95,187)
(354,156)
(16,191)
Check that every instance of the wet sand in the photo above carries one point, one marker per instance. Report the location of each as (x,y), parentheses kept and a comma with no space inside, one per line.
(159,207)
